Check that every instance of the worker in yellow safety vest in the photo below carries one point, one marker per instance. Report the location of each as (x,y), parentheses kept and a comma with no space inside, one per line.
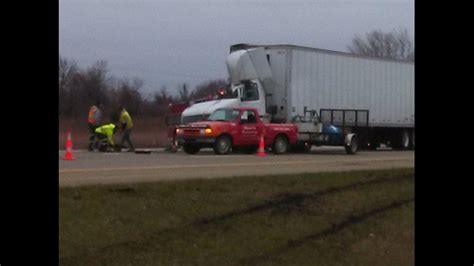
(105,136)
(126,128)
(93,120)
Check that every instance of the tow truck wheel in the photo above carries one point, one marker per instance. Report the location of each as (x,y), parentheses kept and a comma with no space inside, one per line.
(191,149)
(280,145)
(223,145)
(352,147)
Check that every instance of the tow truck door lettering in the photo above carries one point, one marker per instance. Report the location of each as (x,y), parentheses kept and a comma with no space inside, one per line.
(250,129)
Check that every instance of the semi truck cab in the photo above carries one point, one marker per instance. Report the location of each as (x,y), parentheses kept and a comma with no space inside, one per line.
(251,94)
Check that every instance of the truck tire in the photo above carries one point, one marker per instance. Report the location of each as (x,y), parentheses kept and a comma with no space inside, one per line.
(353,146)
(412,140)
(401,140)
(191,149)
(280,145)
(223,145)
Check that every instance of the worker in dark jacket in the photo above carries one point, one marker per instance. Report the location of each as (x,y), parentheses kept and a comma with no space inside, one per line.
(94,120)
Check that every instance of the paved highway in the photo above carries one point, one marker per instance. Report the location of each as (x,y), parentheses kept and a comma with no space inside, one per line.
(113,168)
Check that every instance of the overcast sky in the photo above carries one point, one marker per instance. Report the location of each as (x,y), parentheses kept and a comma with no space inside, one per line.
(166,43)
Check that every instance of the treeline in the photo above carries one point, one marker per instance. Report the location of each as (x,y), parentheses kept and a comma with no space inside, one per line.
(396,44)
(80,88)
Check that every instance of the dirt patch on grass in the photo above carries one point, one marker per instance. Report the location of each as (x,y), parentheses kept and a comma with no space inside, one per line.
(327,221)
(126,190)
(288,202)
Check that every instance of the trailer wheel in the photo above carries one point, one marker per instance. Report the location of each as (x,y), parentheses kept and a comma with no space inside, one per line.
(353,146)
(223,145)
(280,145)
(191,149)
(412,140)
(307,147)
(401,140)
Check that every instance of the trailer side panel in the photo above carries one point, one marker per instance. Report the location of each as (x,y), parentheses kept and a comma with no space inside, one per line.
(324,80)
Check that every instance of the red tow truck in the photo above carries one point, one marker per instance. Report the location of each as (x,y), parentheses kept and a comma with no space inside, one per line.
(229,129)
(173,116)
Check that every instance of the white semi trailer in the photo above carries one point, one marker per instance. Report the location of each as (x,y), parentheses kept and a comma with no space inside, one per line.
(335,98)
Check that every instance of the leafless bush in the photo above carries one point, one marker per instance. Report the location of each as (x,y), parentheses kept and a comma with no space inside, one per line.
(81,88)
(393,45)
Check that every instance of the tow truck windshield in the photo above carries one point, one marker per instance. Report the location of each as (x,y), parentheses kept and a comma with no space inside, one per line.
(224,115)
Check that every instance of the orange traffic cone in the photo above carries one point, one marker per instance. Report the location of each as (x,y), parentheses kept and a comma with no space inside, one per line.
(68,155)
(261,147)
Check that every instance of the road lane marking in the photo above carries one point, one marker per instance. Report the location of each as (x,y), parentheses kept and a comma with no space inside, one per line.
(73,170)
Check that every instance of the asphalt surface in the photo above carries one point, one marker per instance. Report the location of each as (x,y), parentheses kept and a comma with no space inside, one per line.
(92,168)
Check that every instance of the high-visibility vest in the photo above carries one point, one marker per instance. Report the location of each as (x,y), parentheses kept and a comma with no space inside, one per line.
(91,117)
(107,130)
(126,119)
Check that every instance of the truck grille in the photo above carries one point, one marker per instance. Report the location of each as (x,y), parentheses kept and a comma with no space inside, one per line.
(191,132)
(194,118)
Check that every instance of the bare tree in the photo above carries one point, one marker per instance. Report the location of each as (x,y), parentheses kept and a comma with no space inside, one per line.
(161,101)
(163,97)
(184,93)
(67,69)
(96,82)
(80,88)
(129,94)
(393,45)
